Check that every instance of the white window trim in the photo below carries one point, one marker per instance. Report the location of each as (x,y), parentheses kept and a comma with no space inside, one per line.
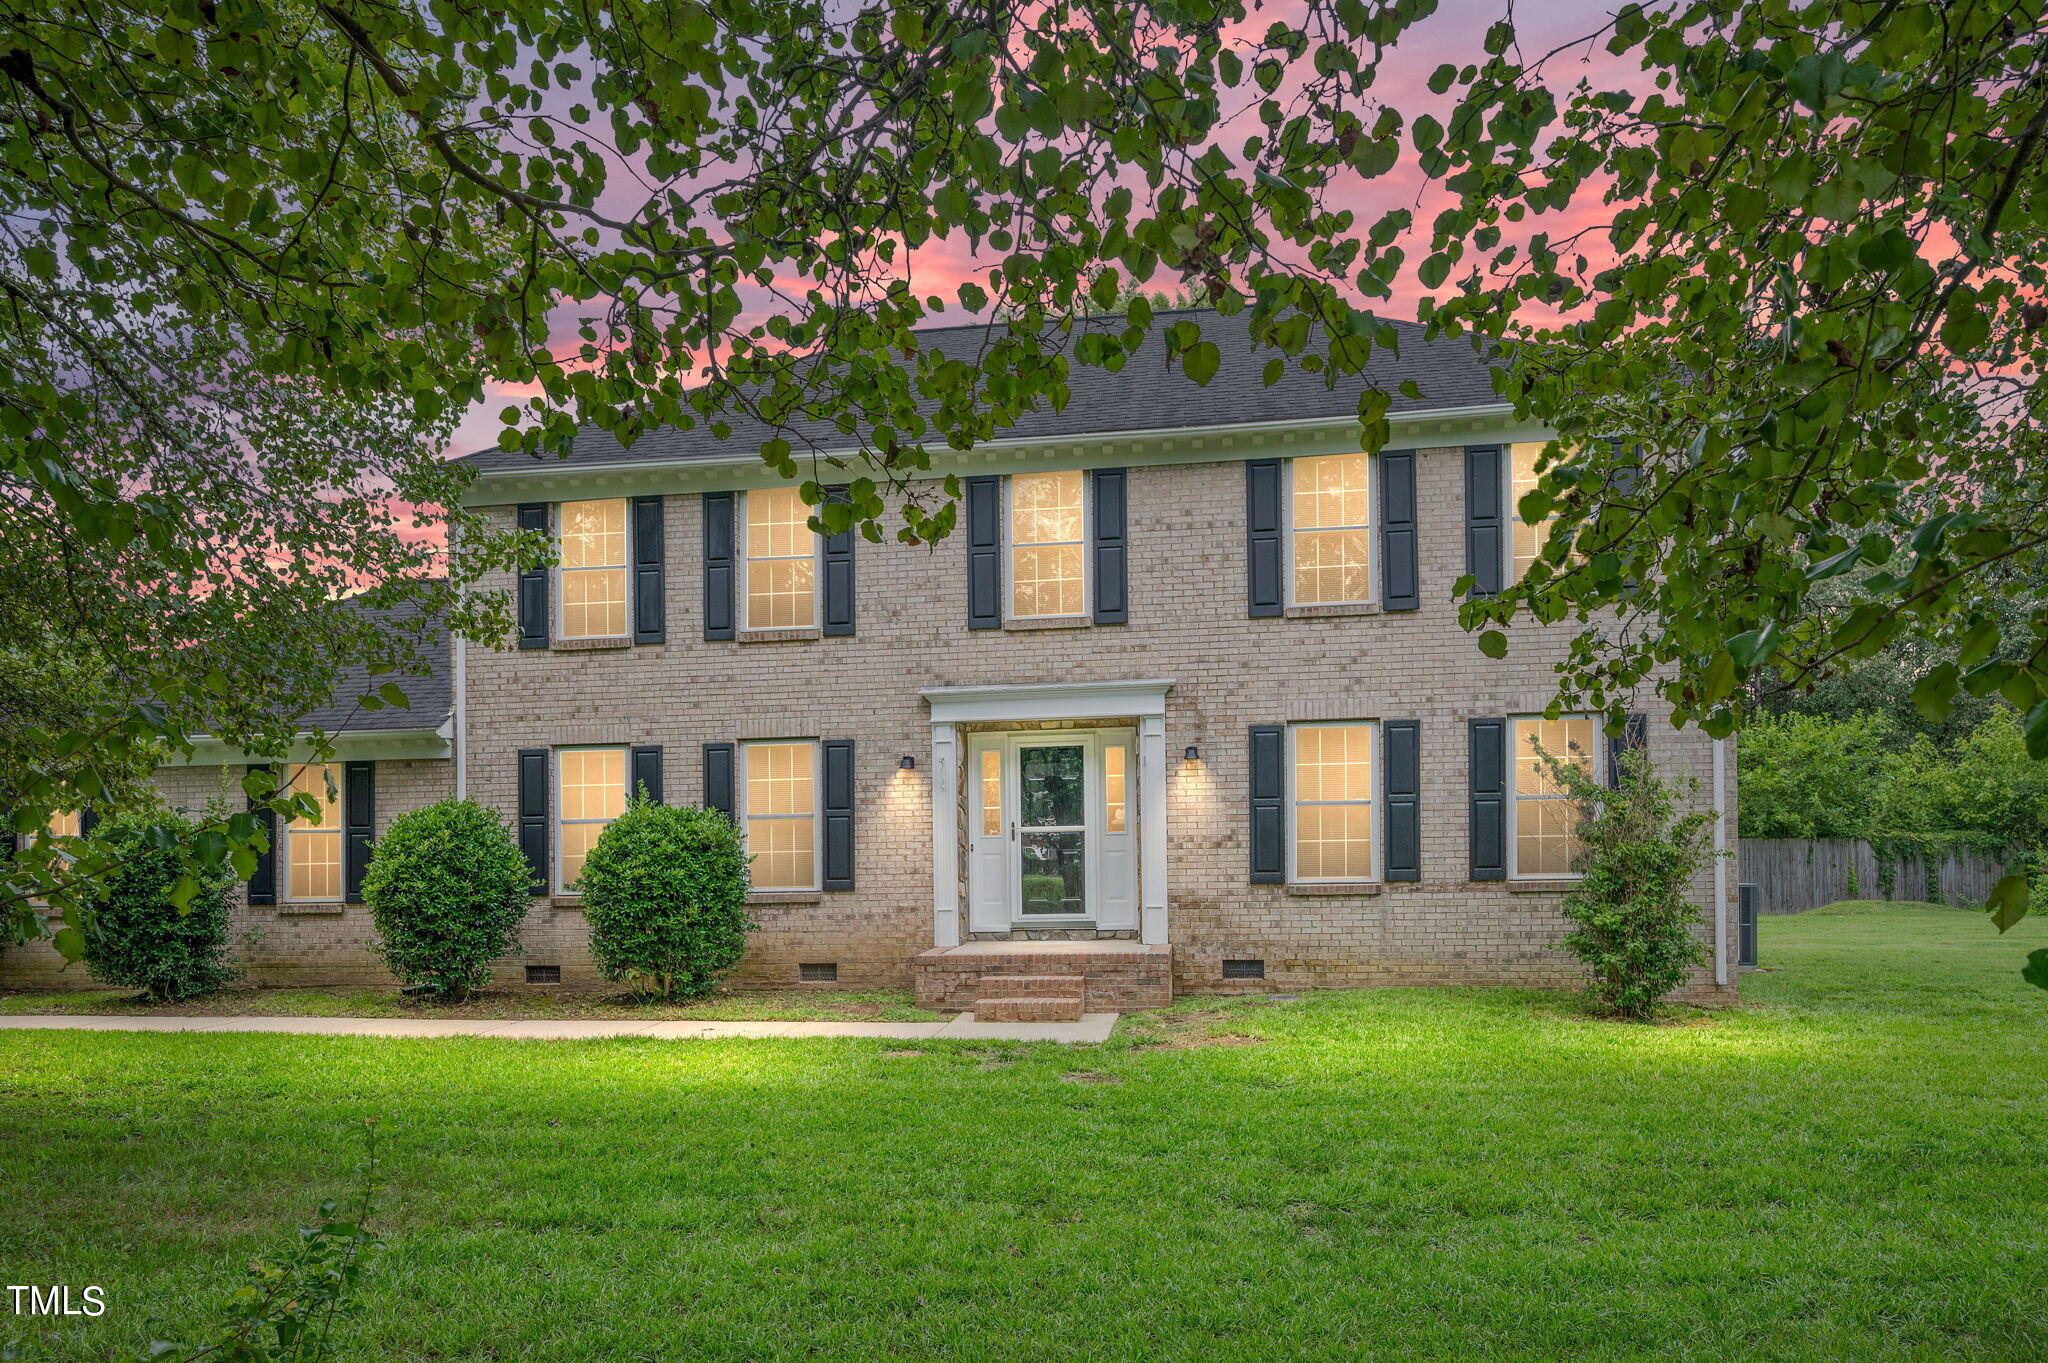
(281,871)
(1010,546)
(747,562)
(1515,797)
(559,599)
(816,815)
(1374,806)
(1372,536)
(556,820)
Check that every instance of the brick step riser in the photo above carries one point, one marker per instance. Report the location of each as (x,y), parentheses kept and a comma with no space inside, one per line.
(1029,986)
(1028,1010)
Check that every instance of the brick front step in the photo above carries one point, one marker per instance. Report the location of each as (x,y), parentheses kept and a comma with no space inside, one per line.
(1033,986)
(1115,977)
(1038,1008)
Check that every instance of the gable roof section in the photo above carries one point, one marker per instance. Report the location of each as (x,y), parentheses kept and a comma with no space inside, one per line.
(432,696)
(1143,396)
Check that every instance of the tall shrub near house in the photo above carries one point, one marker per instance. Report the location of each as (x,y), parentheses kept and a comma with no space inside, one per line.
(446,887)
(665,891)
(137,932)
(1632,923)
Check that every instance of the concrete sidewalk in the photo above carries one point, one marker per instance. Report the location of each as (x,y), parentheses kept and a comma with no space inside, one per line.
(1092,1028)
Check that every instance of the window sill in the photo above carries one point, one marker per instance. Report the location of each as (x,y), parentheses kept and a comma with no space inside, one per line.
(1333,611)
(784,897)
(565,901)
(1030,622)
(1343,887)
(778,636)
(327,910)
(588,645)
(1551,886)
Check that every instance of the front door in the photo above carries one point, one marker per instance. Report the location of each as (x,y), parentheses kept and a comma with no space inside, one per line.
(1052,830)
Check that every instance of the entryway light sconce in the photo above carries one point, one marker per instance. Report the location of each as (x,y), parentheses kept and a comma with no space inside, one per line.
(1191,755)
(908,763)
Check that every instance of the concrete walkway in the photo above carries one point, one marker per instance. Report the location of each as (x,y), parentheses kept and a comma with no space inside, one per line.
(1092,1028)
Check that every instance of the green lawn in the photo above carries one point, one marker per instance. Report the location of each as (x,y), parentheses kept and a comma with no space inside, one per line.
(1855,1165)
(757,1005)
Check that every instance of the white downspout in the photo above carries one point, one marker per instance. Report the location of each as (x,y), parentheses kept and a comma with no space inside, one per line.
(1721,862)
(460,683)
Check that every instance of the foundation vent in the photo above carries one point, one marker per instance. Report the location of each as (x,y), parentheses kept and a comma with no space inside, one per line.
(818,972)
(543,974)
(1244,970)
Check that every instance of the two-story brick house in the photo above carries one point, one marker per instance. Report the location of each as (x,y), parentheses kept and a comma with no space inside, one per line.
(1183,705)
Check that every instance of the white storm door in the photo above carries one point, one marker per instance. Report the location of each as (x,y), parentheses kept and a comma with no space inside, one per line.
(1056,789)
(990,879)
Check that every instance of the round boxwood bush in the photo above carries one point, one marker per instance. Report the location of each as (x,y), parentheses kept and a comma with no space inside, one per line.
(446,887)
(665,891)
(134,934)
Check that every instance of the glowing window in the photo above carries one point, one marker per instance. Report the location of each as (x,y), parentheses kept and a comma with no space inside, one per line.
(782,560)
(313,846)
(1046,572)
(590,791)
(1116,786)
(779,813)
(593,569)
(1546,820)
(1527,545)
(1333,788)
(1331,519)
(991,793)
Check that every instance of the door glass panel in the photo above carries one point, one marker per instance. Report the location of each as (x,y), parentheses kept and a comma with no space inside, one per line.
(991,793)
(1054,876)
(1116,797)
(1052,787)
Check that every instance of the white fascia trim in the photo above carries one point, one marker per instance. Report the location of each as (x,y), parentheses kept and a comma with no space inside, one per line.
(366,745)
(994,449)
(1048,700)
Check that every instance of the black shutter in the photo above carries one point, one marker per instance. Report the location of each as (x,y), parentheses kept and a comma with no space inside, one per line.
(838,612)
(718,778)
(1635,733)
(533,814)
(1485,526)
(1487,768)
(984,553)
(646,773)
(88,819)
(358,825)
(718,565)
(1403,782)
(1400,575)
(838,814)
(533,584)
(650,572)
(1269,813)
(1112,561)
(263,881)
(1262,537)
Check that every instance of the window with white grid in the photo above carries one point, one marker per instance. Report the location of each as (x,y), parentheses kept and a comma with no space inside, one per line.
(782,560)
(1546,821)
(1528,540)
(1332,792)
(593,569)
(590,791)
(1047,566)
(779,811)
(312,847)
(1330,520)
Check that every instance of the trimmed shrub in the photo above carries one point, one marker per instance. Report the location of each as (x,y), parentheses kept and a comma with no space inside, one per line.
(135,935)
(1633,925)
(665,891)
(446,887)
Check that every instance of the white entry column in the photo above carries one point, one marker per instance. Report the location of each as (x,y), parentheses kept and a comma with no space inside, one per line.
(1152,829)
(945,834)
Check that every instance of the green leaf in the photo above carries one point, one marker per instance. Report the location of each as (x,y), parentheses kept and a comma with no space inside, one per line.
(2008,902)
(1752,647)
(1934,695)
(1201,361)
(391,694)
(2036,726)
(2036,969)
(1493,644)
(1816,78)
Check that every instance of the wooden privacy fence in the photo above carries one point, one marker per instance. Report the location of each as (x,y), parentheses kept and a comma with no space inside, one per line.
(1793,875)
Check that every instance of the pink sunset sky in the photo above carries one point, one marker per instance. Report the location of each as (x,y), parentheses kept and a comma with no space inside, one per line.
(1454,35)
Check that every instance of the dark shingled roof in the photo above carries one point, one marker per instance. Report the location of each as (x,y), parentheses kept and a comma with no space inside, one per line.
(1143,396)
(432,697)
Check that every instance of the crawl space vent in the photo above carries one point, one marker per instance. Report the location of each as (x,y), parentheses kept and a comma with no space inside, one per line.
(819,972)
(1244,970)
(543,974)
